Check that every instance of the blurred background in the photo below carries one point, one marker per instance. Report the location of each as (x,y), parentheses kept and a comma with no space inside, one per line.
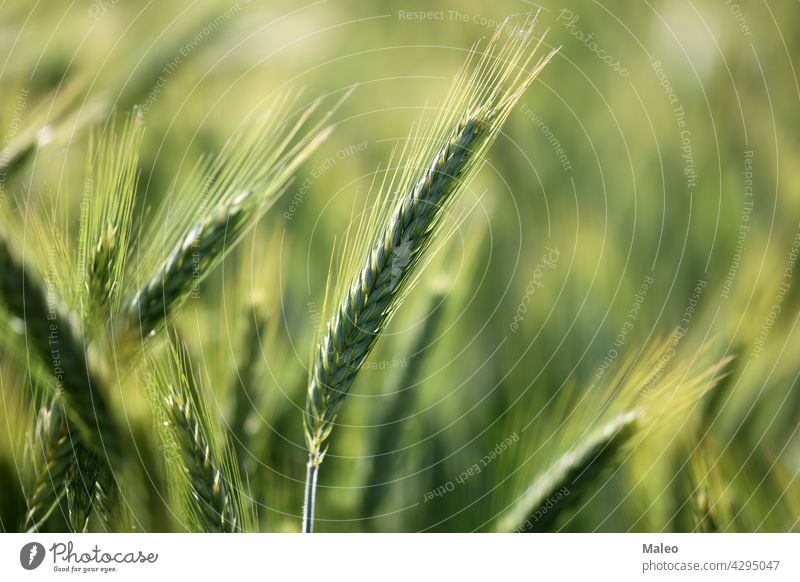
(644,184)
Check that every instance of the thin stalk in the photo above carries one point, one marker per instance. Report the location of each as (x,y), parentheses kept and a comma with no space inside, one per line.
(310,495)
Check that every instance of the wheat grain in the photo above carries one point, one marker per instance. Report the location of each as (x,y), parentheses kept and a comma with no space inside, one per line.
(479,104)
(215,506)
(51,478)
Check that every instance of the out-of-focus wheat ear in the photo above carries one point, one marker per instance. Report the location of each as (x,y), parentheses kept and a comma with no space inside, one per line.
(709,509)
(210,239)
(562,486)
(386,444)
(50,484)
(81,484)
(222,203)
(54,120)
(243,383)
(105,222)
(214,505)
(57,341)
(110,509)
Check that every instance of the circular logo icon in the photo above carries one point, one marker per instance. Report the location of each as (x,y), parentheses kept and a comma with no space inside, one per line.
(31,555)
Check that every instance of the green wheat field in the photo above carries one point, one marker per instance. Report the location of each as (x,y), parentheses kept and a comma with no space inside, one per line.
(399,266)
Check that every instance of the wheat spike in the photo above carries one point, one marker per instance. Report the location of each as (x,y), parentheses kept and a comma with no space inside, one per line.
(217,208)
(215,505)
(81,484)
(58,343)
(51,478)
(104,241)
(479,104)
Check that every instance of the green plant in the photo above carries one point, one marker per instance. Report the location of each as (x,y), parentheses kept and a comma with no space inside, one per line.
(450,152)
(212,488)
(76,320)
(54,441)
(520,397)
(233,193)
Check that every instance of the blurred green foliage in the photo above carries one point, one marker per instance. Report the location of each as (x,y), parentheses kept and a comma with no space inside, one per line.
(598,170)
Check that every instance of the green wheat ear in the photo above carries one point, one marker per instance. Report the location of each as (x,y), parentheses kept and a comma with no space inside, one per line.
(573,474)
(53,438)
(106,220)
(206,218)
(207,479)
(651,398)
(434,170)
(58,342)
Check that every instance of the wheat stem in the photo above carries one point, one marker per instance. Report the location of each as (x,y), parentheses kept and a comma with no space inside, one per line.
(310,497)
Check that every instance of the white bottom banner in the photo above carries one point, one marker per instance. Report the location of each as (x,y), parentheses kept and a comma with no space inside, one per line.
(386,557)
